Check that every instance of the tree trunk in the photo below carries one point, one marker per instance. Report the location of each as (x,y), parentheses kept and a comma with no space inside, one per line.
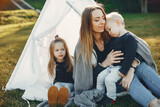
(143,4)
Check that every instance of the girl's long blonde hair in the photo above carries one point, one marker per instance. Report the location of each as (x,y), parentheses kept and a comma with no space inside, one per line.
(67,58)
(86,35)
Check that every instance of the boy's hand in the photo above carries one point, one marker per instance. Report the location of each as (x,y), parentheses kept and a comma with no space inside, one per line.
(120,74)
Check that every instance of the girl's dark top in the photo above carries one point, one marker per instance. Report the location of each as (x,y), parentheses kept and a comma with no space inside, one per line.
(61,73)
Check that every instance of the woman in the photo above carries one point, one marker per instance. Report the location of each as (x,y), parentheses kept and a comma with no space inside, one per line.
(92,56)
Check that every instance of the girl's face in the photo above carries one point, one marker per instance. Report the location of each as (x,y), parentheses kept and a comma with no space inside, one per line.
(98,21)
(59,51)
(113,28)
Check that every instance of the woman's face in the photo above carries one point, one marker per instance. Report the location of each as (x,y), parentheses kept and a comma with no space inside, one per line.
(98,21)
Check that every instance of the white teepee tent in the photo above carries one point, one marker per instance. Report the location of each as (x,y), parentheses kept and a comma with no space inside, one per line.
(60,17)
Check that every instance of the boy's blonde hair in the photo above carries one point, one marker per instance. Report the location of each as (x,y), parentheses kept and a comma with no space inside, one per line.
(115,16)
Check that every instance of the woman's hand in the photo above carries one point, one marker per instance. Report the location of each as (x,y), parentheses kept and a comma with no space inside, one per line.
(113,57)
(126,80)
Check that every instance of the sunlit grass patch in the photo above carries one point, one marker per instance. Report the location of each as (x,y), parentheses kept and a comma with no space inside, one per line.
(12,44)
(154,44)
(13,36)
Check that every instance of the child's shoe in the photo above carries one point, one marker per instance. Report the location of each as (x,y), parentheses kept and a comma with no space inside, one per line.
(105,101)
(63,95)
(52,96)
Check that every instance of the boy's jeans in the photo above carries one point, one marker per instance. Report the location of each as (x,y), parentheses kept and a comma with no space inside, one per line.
(69,86)
(151,79)
(108,78)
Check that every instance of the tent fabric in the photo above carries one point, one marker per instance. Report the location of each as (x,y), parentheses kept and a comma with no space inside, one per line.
(60,17)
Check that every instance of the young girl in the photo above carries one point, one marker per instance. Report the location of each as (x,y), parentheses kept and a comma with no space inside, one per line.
(60,69)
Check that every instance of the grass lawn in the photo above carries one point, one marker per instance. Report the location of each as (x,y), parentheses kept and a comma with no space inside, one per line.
(16,26)
(38,4)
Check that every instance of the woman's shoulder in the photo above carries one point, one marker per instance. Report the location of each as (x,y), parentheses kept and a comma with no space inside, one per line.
(77,47)
(94,57)
(78,44)
(72,59)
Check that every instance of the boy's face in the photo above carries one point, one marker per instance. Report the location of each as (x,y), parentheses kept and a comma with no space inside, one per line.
(113,28)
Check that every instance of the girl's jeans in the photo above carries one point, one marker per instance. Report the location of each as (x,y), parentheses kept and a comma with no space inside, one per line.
(108,78)
(69,86)
(151,79)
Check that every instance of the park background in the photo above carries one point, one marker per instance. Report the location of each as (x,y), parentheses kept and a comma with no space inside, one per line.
(16,26)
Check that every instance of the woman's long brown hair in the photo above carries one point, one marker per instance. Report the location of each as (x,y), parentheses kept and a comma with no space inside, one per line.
(86,35)
(67,58)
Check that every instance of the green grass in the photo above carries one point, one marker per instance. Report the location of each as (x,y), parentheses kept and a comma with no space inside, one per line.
(146,26)
(16,27)
(35,4)
(14,32)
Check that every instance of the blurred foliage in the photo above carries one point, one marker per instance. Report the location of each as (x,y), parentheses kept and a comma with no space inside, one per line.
(129,6)
(122,6)
(7,5)
(17,16)
(36,3)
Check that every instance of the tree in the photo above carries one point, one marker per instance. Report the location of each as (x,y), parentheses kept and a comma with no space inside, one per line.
(143,5)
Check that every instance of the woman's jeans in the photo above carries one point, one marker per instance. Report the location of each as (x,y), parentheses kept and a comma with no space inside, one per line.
(151,79)
(69,86)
